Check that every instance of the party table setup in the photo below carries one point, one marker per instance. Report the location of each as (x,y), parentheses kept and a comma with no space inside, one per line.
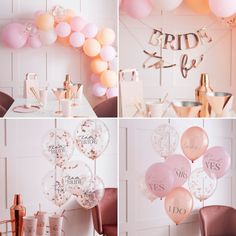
(181,69)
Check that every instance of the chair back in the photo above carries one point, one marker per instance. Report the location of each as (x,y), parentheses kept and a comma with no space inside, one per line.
(105,213)
(5,100)
(107,108)
(2,111)
(217,220)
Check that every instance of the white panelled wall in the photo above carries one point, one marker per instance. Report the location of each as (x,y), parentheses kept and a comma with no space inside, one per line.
(22,167)
(138,216)
(219,56)
(51,63)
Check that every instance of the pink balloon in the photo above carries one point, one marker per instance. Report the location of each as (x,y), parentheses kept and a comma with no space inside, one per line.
(77,39)
(181,168)
(98,90)
(94,78)
(63,29)
(137,8)
(216,161)
(77,23)
(223,8)
(90,30)
(159,179)
(14,36)
(112,92)
(108,53)
(35,42)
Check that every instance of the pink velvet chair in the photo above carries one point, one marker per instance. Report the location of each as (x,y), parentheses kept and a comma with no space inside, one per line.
(105,214)
(5,102)
(107,108)
(218,221)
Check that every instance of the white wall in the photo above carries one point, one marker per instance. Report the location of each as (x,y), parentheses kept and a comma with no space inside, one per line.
(22,167)
(219,60)
(138,216)
(54,62)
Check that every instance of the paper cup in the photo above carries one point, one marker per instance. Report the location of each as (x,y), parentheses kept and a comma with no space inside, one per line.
(154,109)
(55,225)
(29,225)
(43,96)
(66,107)
(41,223)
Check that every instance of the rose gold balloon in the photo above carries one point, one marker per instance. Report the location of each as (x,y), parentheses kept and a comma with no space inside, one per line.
(194,143)
(179,204)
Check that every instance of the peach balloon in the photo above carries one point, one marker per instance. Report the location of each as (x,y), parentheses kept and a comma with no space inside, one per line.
(199,6)
(92,47)
(194,143)
(64,41)
(106,36)
(69,14)
(109,79)
(179,204)
(45,21)
(98,66)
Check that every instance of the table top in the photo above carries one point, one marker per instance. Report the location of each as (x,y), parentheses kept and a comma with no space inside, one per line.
(83,110)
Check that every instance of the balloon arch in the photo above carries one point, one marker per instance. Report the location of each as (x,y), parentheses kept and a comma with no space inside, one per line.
(65,27)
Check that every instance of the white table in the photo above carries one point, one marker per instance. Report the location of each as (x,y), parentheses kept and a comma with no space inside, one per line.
(84,109)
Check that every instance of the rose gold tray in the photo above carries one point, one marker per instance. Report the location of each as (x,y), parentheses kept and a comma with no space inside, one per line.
(24,109)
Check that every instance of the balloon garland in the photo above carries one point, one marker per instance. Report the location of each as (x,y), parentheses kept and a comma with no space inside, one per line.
(166,179)
(65,27)
(74,177)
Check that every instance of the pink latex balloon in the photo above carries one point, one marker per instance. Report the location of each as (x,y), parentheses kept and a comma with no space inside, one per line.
(90,30)
(137,8)
(112,92)
(216,161)
(14,36)
(77,39)
(94,78)
(77,23)
(98,90)
(159,179)
(63,29)
(34,42)
(223,8)
(181,168)
(108,53)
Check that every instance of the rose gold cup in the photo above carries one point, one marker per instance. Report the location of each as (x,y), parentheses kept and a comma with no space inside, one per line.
(55,224)
(29,225)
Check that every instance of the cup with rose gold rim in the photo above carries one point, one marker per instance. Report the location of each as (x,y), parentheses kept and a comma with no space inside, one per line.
(60,94)
(75,89)
(29,225)
(186,108)
(41,222)
(55,225)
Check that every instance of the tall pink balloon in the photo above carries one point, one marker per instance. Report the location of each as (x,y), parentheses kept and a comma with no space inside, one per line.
(216,161)
(14,36)
(137,8)
(159,179)
(223,8)
(181,168)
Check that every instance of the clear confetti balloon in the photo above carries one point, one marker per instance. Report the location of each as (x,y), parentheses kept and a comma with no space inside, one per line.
(165,140)
(76,174)
(58,147)
(92,193)
(92,138)
(54,187)
(59,13)
(201,185)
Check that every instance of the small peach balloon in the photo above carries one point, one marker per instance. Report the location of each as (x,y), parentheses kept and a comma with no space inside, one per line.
(92,47)
(106,36)
(69,14)
(179,204)
(199,6)
(64,41)
(45,21)
(108,79)
(98,66)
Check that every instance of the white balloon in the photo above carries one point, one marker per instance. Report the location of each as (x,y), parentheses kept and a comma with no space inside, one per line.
(167,5)
(48,37)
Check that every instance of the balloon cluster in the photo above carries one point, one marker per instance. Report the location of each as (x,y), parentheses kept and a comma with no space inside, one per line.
(142,8)
(165,179)
(64,26)
(74,177)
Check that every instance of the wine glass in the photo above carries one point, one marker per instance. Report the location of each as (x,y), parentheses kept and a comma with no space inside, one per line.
(75,89)
(60,94)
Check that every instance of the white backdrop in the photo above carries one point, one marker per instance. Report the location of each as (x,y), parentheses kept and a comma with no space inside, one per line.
(22,167)
(219,60)
(138,216)
(54,62)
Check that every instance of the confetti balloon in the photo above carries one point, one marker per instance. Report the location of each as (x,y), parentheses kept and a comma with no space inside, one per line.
(58,147)
(92,193)
(165,140)
(54,188)
(201,185)
(76,174)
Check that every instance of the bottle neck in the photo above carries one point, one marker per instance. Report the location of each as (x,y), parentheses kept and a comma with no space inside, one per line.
(205,80)
(17,199)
